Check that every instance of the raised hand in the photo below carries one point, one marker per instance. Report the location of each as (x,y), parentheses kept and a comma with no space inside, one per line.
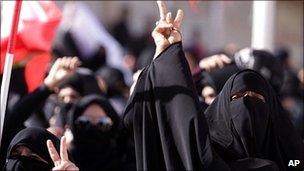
(61,69)
(61,162)
(215,61)
(167,30)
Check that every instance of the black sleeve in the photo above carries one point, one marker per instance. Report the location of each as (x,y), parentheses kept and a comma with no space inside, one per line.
(169,128)
(175,95)
(27,105)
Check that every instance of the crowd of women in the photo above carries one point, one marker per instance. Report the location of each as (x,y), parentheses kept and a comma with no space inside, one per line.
(240,111)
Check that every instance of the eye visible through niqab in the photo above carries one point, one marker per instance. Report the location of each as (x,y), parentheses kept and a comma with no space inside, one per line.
(248,93)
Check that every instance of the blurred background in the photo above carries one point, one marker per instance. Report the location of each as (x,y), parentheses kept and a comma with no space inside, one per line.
(121,32)
(214,24)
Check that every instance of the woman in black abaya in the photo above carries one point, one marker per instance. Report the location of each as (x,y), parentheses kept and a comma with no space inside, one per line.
(95,130)
(246,122)
(163,112)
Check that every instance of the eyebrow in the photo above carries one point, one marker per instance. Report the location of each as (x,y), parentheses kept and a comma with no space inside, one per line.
(248,93)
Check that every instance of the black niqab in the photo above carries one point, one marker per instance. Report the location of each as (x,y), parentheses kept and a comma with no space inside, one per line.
(35,140)
(247,127)
(92,149)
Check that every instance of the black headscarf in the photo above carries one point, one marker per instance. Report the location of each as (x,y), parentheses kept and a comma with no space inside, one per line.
(93,149)
(35,140)
(165,117)
(83,81)
(216,78)
(247,127)
(114,79)
(264,63)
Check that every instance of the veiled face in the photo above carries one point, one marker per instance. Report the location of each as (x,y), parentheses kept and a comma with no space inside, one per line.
(94,112)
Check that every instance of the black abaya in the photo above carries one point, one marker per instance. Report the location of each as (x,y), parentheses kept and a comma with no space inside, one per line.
(246,127)
(164,114)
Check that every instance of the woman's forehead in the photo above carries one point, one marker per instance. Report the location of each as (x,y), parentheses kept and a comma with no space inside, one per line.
(94,110)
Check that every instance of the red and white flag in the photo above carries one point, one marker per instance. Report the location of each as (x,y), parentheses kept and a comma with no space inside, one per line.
(37,25)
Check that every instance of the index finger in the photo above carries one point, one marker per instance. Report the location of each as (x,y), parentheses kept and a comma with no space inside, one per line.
(53,153)
(63,149)
(162,10)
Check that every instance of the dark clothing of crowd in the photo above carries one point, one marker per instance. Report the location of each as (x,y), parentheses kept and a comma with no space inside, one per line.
(256,121)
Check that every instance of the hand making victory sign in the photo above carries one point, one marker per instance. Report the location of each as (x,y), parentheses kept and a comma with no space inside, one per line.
(167,30)
(61,162)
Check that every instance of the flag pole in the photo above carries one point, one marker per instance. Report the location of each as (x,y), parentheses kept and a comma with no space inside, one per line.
(8,64)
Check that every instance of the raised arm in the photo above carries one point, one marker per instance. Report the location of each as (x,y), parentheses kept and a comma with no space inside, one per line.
(167,30)
(62,68)
(14,119)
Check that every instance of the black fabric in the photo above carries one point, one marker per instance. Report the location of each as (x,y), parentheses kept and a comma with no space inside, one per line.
(291,85)
(263,62)
(250,164)
(64,44)
(34,139)
(96,60)
(22,163)
(145,56)
(114,79)
(18,83)
(216,78)
(166,120)
(91,148)
(61,114)
(83,81)
(16,116)
(247,127)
